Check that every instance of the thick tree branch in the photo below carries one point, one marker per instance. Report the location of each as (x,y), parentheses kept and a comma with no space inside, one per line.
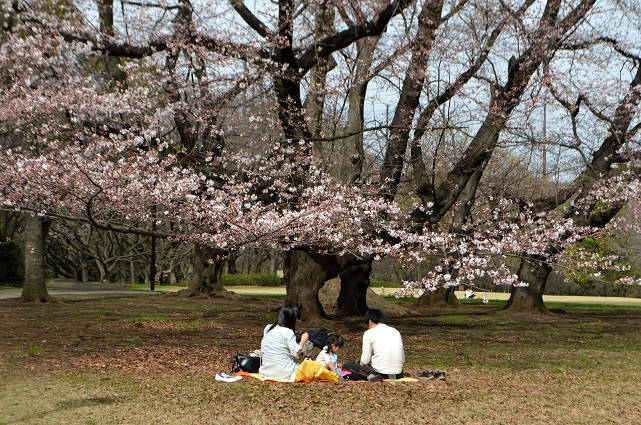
(251,19)
(338,41)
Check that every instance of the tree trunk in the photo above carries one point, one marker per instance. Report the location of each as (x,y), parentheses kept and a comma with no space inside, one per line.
(529,299)
(429,20)
(206,278)
(352,299)
(173,278)
(442,297)
(315,99)
(305,274)
(34,289)
(84,267)
(232,267)
(152,260)
(102,270)
(132,271)
(351,151)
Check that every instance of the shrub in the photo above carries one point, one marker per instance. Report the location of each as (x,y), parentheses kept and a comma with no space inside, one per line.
(11,264)
(245,279)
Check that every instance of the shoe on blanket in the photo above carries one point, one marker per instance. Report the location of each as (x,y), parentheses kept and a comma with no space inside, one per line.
(374,378)
(440,374)
(226,378)
(428,374)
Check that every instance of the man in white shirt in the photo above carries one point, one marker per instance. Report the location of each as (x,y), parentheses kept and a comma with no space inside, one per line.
(383,354)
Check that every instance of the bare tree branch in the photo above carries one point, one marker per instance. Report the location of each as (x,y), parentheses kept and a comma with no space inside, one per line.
(251,19)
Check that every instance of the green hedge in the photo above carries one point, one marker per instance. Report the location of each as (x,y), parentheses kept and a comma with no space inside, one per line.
(11,264)
(243,279)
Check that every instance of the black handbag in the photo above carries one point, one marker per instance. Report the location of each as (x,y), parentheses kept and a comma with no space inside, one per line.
(249,364)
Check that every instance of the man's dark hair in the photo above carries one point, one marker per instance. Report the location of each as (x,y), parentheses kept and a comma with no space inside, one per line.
(375,315)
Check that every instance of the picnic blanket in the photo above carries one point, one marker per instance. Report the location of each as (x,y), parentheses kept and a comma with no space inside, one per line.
(308,371)
(312,371)
(260,378)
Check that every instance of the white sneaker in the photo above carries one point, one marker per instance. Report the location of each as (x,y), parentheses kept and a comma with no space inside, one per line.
(226,378)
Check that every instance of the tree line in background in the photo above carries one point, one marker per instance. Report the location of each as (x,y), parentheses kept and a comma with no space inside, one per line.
(476,140)
(118,259)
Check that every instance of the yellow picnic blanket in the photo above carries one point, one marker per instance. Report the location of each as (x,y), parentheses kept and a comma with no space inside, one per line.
(308,371)
(260,378)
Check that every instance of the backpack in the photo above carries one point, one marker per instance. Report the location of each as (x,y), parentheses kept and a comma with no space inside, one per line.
(317,337)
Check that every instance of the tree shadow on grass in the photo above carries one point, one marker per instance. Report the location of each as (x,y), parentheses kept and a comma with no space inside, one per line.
(85,402)
(62,406)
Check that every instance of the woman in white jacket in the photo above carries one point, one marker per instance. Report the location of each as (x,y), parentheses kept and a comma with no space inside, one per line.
(279,346)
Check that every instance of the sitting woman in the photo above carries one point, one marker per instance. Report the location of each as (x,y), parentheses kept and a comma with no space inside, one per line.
(279,346)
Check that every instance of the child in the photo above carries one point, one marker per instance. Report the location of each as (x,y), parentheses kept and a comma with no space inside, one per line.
(328,356)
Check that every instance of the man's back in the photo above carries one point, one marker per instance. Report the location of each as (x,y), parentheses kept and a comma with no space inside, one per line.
(383,349)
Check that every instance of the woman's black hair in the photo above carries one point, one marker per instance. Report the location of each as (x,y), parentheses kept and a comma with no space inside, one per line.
(333,339)
(287,317)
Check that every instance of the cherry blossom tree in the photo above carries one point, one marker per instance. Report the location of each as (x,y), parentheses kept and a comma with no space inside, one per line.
(576,201)
(134,117)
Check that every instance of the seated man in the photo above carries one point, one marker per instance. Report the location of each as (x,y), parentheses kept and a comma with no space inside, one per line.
(469,294)
(383,354)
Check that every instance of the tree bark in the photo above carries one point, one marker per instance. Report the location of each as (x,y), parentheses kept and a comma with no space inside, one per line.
(207,274)
(231,261)
(107,33)
(315,100)
(305,274)
(442,297)
(428,22)
(529,299)
(152,265)
(352,152)
(352,299)
(34,289)
(173,278)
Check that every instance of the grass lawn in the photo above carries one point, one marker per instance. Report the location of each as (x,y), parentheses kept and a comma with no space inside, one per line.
(139,359)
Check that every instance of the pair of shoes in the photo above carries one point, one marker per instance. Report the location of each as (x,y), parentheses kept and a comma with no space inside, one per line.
(428,374)
(440,374)
(374,378)
(226,378)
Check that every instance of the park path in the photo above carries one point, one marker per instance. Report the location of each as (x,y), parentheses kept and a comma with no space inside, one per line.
(61,289)
(264,290)
(10,292)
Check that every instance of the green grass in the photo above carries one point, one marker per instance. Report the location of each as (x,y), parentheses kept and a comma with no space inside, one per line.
(94,366)
(34,351)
